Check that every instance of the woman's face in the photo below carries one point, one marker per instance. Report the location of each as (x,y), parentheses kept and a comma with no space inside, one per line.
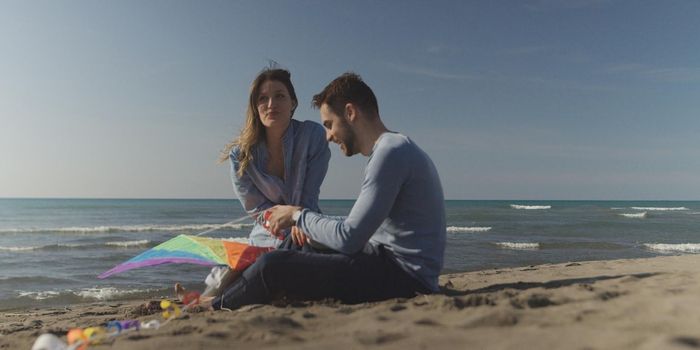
(274,104)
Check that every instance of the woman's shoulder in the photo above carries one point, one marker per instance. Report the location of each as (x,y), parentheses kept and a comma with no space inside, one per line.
(310,127)
(235,153)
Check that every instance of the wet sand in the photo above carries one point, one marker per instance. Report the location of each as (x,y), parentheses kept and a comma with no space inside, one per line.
(618,304)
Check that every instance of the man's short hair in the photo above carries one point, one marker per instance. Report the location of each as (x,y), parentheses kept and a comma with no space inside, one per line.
(347,88)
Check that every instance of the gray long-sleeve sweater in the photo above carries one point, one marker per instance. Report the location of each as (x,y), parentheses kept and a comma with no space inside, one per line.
(401,206)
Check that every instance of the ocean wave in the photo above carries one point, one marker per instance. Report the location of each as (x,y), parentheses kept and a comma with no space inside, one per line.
(674,248)
(17,249)
(459,229)
(518,246)
(128,244)
(45,247)
(587,245)
(530,207)
(108,293)
(39,295)
(641,215)
(660,208)
(127,228)
(68,246)
(85,294)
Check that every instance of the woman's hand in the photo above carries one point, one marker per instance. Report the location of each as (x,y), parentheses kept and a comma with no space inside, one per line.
(298,236)
(279,218)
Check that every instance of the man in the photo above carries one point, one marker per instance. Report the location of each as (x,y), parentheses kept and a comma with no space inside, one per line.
(390,245)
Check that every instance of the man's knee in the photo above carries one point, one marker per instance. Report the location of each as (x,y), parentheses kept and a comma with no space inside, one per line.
(274,260)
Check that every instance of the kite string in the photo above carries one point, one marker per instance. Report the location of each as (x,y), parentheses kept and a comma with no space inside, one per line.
(241,219)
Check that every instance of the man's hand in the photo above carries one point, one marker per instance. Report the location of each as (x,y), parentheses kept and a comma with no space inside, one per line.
(298,236)
(280,218)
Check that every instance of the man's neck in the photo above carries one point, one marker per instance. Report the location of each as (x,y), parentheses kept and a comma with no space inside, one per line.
(368,134)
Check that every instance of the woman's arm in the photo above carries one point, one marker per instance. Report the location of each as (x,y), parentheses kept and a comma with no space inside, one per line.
(253,201)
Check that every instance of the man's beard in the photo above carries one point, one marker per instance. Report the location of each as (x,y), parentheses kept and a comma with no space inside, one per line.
(348,140)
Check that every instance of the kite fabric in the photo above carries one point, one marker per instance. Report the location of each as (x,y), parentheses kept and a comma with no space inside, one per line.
(193,250)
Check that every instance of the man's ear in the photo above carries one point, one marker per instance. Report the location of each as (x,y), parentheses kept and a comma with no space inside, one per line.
(350,112)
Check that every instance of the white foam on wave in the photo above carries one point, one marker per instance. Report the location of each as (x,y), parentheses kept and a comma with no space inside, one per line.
(68,245)
(107,293)
(127,244)
(530,207)
(39,295)
(128,228)
(641,215)
(51,246)
(660,208)
(60,246)
(17,249)
(458,229)
(520,246)
(672,248)
(237,239)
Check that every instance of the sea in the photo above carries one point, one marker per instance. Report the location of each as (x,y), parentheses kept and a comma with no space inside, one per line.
(51,250)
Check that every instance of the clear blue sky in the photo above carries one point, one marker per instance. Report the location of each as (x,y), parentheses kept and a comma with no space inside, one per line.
(578,99)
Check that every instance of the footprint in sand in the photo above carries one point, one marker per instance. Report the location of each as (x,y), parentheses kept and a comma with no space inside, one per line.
(496,319)
(607,295)
(275,322)
(378,338)
(186,330)
(427,322)
(470,301)
(218,335)
(687,341)
(397,308)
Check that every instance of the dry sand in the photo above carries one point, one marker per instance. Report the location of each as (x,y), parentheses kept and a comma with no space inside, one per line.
(619,304)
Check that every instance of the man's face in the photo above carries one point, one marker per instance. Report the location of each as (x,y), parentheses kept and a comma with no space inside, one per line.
(338,130)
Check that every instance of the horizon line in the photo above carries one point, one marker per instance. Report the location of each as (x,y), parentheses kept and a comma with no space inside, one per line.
(352,199)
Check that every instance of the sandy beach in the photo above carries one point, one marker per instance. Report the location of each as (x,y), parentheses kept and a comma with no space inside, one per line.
(617,304)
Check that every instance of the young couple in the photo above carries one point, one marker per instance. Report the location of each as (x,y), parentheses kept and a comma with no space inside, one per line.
(392,242)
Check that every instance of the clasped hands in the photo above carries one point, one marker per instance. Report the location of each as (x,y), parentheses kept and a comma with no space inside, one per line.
(279,218)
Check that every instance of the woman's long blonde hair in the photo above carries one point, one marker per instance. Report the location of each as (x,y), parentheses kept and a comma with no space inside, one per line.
(254,131)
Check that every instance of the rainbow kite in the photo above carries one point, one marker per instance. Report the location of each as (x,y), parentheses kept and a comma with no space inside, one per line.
(193,250)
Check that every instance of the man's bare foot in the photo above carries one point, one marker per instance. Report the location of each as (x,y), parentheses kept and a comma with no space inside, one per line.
(180,292)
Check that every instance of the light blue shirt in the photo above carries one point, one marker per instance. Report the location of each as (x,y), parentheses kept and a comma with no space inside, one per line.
(401,206)
(306,157)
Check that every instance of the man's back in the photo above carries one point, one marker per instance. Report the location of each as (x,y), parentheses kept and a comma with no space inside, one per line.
(415,227)
(400,207)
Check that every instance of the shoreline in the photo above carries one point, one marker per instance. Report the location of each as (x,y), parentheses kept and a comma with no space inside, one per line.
(643,303)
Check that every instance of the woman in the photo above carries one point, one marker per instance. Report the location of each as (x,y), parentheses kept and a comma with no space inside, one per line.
(274,160)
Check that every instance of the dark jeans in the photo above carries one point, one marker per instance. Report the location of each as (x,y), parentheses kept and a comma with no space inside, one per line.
(308,275)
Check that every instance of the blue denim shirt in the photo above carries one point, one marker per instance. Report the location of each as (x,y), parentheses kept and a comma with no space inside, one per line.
(306,157)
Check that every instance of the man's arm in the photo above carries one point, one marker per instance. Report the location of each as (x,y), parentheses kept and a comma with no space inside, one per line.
(386,172)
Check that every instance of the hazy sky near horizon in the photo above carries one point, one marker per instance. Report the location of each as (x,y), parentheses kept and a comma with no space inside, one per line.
(532,99)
